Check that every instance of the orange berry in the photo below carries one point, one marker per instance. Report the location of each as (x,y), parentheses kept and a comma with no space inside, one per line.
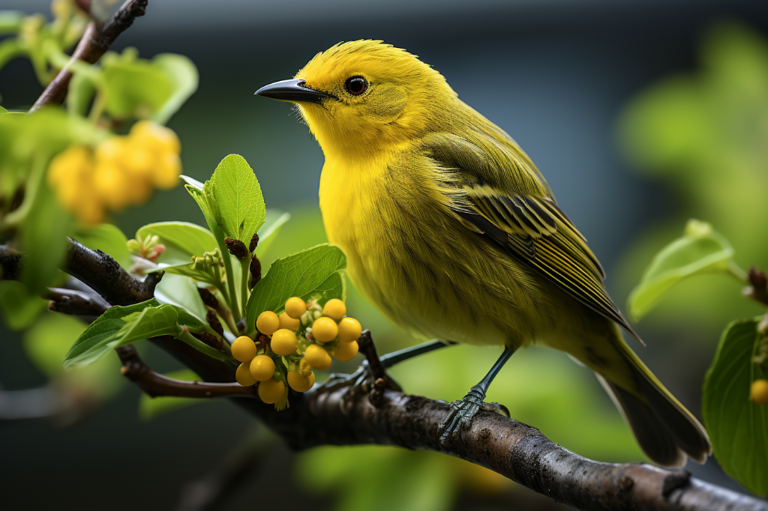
(295,307)
(288,322)
(243,376)
(346,351)
(267,322)
(335,309)
(349,330)
(299,382)
(325,329)
(759,392)
(284,342)
(317,357)
(243,349)
(262,367)
(271,391)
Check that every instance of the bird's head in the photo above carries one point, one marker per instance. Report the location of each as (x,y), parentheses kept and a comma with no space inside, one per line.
(362,96)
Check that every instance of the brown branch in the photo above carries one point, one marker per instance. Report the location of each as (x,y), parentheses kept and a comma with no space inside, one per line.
(76,303)
(155,384)
(10,264)
(351,413)
(105,276)
(95,42)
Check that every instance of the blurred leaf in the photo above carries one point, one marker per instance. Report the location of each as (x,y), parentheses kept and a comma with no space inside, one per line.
(155,89)
(182,240)
(235,197)
(183,75)
(46,344)
(109,239)
(315,270)
(119,326)
(19,308)
(700,250)
(738,428)
(151,408)
(80,94)
(9,50)
(10,21)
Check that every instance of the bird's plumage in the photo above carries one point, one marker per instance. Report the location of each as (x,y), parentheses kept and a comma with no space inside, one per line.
(452,231)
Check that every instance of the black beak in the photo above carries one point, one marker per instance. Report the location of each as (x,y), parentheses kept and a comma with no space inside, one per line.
(292,90)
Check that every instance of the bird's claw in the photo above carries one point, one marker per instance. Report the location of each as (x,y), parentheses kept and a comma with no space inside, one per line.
(463,411)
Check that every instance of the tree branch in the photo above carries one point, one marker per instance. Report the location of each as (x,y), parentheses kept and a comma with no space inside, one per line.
(76,303)
(366,410)
(95,42)
(155,384)
(758,286)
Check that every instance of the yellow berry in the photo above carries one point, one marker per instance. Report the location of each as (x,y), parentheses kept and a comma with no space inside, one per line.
(243,375)
(167,170)
(759,392)
(262,367)
(346,351)
(295,307)
(325,329)
(69,164)
(349,330)
(284,342)
(271,391)
(243,349)
(111,184)
(335,309)
(89,211)
(288,322)
(267,322)
(317,357)
(299,382)
(158,136)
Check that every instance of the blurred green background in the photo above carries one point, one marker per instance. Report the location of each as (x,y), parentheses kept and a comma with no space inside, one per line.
(641,114)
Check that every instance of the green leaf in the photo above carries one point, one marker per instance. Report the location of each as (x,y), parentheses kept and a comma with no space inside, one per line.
(312,272)
(182,240)
(10,21)
(109,239)
(142,88)
(119,326)
(184,78)
(273,220)
(80,94)
(700,250)
(186,270)
(151,408)
(19,308)
(738,428)
(180,291)
(238,204)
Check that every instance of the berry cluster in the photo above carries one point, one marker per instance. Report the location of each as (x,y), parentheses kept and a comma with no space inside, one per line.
(759,392)
(121,170)
(289,346)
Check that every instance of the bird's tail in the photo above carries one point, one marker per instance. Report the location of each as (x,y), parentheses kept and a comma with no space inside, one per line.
(665,430)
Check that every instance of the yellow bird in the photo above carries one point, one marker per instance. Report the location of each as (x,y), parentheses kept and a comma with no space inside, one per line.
(453,233)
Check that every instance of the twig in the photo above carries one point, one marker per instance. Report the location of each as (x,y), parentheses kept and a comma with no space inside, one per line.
(10,264)
(95,42)
(105,276)
(156,385)
(76,303)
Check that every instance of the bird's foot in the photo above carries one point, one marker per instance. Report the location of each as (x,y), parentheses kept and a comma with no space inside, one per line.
(463,411)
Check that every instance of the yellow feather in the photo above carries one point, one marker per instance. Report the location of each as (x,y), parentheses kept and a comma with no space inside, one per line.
(453,233)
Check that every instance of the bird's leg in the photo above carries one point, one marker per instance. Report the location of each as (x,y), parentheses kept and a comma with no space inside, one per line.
(396,357)
(364,372)
(462,412)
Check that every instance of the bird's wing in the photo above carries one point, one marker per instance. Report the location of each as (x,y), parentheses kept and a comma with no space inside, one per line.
(504,197)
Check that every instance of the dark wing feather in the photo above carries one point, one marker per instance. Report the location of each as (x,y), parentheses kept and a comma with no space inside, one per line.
(529,225)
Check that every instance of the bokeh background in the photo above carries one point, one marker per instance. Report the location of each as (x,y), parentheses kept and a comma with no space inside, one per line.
(641,114)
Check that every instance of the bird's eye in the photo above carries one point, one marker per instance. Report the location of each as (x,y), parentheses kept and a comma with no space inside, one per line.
(356,85)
